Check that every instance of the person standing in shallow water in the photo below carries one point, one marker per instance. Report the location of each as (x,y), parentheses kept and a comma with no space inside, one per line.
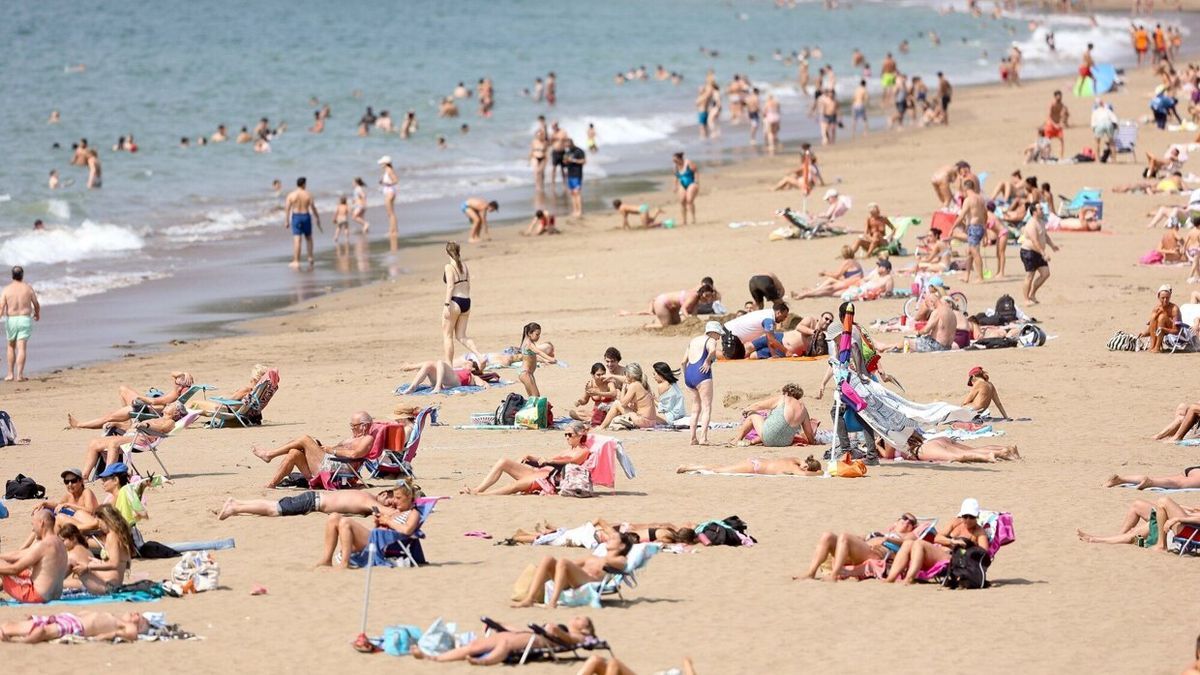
(299,213)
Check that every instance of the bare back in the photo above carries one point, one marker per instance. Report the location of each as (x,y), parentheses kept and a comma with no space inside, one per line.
(299,201)
(18,299)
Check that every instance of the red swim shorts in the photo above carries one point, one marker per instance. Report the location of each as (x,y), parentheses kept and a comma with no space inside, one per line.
(1053,130)
(21,588)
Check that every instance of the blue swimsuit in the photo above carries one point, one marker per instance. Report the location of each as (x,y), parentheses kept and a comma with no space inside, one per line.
(692,375)
(686,177)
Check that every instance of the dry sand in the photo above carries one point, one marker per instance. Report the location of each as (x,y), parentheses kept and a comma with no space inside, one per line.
(1057,605)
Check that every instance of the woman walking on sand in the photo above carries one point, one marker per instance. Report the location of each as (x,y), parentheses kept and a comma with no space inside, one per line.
(457,309)
(387,184)
(685,177)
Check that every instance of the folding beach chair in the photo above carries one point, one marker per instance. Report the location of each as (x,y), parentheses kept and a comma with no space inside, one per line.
(1182,342)
(556,651)
(591,594)
(143,412)
(1188,539)
(1126,139)
(146,440)
(395,460)
(247,411)
(1069,208)
(895,246)
(393,549)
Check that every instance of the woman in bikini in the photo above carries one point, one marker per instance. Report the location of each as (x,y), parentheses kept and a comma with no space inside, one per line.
(534,475)
(850,551)
(921,449)
(499,647)
(570,574)
(1188,480)
(100,577)
(1135,527)
(599,392)
(531,353)
(440,375)
(685,179)
(456,310)
(777,419)
(698,358)
(136,402)
(387,183)
(359,212)
(763,466)
(347,540)
(537,160)
(635,408)
(477,212)
(670,308)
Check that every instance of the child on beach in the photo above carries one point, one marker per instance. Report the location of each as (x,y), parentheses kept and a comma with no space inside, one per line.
(531,353)
(341,220)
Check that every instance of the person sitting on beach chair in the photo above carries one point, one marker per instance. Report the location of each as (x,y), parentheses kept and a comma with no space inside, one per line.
(609,558)
(347,542)
(306,453)
(110,446)
(534,475)
(879,232)
(850,550)
(87,624)
(207,408)
(1143,523)
(506,643)
(917,555)
(137,404)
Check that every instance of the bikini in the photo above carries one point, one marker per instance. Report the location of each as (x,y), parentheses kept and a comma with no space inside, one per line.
(389,187)
(464,304)
(692,375)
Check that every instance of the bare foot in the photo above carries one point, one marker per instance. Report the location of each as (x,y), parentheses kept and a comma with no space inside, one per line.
(416,652)
(324,564)
(295,264)
(1084,536)
(523,603)
(260,453)
(226,510)
(9,378)
(695,442)
(683,469)
(1112,481)
(1012,452)
(72,423)
(22,379)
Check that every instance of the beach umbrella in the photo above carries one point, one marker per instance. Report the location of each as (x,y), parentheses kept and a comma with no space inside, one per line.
(362,643)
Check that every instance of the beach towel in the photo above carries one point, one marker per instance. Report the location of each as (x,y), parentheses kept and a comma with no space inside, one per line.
(427,390)
(214,545)
(1188,442)
(1159,489)
(896,418)
(706,472)
(141,592)
(964,434)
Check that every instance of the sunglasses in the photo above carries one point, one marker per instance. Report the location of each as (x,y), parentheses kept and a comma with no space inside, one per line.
(72,481)
(910,521)
(967,515)
(570,434)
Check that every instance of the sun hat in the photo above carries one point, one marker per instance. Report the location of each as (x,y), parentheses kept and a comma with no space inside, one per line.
(970,507)
(830,193)
(71,472)
(1164,287)
(386,159)
(713,327)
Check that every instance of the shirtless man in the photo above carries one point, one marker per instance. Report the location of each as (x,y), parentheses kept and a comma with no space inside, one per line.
(35,574)
(753,106)
(558,149)
(973,216)
(299,212)
(887,76)
(643,212)
(945,92)
(983,393)
(220,136)
(947,179)
(95,625)
(828,108)
(938,333)
(1034,240)
(346,502)
(1163,320)
(1057,119)
(858,108)
(307,454)
(879,232)
(19,307)
(915,556)
(79,158)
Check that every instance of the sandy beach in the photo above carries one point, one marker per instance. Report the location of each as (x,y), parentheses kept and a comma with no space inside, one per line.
(1057,605)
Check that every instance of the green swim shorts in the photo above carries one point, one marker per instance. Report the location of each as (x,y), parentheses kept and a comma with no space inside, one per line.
(18,327)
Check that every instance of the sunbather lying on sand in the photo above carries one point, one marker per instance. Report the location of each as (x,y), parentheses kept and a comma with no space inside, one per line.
(133,400)
(1135,526)
(207,407)
(917,555)
(777,419)
(110,446)
(946,450)
(1186,417)
(877,282)
(569,574)
(533,475)
(599,531)
(495,649)
(983,393)
(97,625)
(1085,222)
(306,453)
(346,502)
(347,540)
(670,308)
(441,375)
(850,551)
(1189,479)
(1172,184)
(763,466)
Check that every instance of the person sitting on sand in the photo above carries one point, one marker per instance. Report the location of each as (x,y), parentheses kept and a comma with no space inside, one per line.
(850,551)
(983,393)
(878,282)
(100,577)
(672,307)
(635,408)
(879,232)
(496,648)
(347,542)
(1188,480)
(849,272)
(345,502)
(1135,526)
(77,506)
(532,352)
(668,396)
(918,555)
(608,558)
(777,419)
(763,466)
(306,453)
(938,333)
(208,408)
(1039,150)
(598,392)
(938,256)
(1172,184)
(649,217)
(921,449)
(534,475)
(1169,163)
(95,625)
(110,446)
(35,574)
(441,375)
(135,401)
(1164,320)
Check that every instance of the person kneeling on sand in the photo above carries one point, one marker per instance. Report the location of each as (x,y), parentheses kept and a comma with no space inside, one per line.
(347,543)
(96,625)
(777,419)
(533,475)
(610,558)
(1135,526)
(850,551)
(495,648)
(307,453)
(346,502)
(649,217)
(36,574)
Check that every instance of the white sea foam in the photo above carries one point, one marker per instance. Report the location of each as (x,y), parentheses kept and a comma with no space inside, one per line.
(70,288)
(217,225)
(69,244)
(58,208)
(621,130)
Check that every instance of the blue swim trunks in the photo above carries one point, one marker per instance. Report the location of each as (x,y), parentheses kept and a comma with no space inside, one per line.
(702,117)
(762,349)
(302,224)
(574,184)
(975,234)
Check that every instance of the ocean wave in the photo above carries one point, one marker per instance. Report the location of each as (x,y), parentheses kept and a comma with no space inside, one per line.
(621,130)
(59,208)
(69,244)
(216,224)
(70,288)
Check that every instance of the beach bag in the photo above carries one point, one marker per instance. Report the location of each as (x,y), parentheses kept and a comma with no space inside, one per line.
(8,433)
(1004,313)
(506,412)
(848,467)
(728,532)
(521,585)
(399,640)
(1152,258)
(968,568)
(438,638)
(576,482)
(731,347)
(23,487)
(1031,336)
(535,414)
(197,572)
(994,343)
(1122,342)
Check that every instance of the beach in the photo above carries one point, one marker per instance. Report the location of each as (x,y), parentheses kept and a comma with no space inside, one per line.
(1057,604)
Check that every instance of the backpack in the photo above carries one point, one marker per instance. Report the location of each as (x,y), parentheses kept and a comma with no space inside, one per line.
(23,487)
(1004,313)
(535,414)
(576,482)
(728,532)
(506,412)
(8,433)
(1031,336)
(968,568)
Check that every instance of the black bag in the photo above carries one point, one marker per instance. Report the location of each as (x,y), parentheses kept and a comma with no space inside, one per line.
(725,532)
(731,346)
(1004,314)
(153,550)
(968,568)
(23,487)
(506,412)
(994,343)
(8,433)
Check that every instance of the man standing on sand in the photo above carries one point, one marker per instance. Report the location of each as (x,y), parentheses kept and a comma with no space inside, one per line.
(573,161)
(35,574)
(1057,119)
(19,307)
(945,92)
(299,212)
(973,216)
(1034,240)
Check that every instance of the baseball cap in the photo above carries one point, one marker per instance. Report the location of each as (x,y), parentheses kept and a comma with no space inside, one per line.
(713,327)
(884,263)
(970,507)
(977,370)
(386,159)
(71,472)
(113,469)
(937,281)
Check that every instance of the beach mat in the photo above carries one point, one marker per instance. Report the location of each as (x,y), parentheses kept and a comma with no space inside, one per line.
(214,545)
(706,472)
(426,390)
(1159,489)
(85,598)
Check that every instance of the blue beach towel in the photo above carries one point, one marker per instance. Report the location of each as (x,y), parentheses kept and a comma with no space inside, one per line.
(426,390)
(147,594)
